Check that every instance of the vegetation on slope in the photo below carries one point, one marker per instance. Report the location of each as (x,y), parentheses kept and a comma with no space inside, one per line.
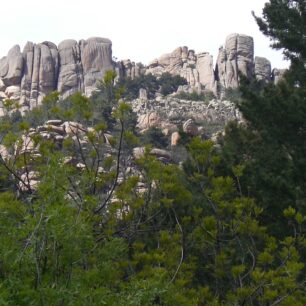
(227,227)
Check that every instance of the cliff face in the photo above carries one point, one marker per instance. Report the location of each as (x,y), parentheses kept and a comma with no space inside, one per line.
(72,66)
(39,69)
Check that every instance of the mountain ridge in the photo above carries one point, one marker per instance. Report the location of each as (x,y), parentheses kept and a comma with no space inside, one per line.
(72,66)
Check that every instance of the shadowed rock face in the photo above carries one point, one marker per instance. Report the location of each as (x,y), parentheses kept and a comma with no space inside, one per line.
(42,68)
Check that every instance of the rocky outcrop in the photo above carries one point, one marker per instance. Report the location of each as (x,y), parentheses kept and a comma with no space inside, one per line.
(11,67)
(83,64)
(190,128)
(55,131)
(236,56)
(72,66)
(42,68)
(170,113)
(147,120)
(175,138)
(129,69)
(96,57)
(197,69)
(40,73)
(71,77)
(277,75)
(262,69)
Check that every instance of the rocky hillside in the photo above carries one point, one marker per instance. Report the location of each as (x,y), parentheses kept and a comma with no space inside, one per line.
(29,75)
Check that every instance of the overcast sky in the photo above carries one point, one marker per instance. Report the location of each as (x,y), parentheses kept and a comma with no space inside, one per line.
(139,29)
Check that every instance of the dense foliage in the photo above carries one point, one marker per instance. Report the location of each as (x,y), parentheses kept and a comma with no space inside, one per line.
(226,227)
(165,84)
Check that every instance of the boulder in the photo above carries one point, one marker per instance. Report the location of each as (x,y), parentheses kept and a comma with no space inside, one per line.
(3,152)
(41,66)
(237,55)
(56,122)
(11,67)
(175,137)
(26,145)
(143,94)
(128,69)
(138,152)
(190,128)
(13,92)
(30,180)
(2,86)
(70,78)
(161,154)
(204,66)
(148,120)
(52,128)
(277,75)
(73,128)
(96,58)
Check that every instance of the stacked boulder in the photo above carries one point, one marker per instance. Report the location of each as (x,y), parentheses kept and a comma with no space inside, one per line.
(197,69)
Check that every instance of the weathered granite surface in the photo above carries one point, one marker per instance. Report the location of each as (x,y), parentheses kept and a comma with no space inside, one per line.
(72,66)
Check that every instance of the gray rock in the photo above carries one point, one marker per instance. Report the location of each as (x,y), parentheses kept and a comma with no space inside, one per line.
(197,69)
(129,69)
(262,69)
(13,92)
(143,94)
(11,67)
(190,128)
(40,73)
(204,66)
(96,56)
(70,79)
(237,55)
(277,75)
(2,86)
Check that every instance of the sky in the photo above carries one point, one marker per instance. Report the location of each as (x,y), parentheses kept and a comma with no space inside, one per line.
(140,30)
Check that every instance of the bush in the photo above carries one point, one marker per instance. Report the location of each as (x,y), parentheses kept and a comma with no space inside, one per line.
(165,84)
(132,86)
(169,83)
(155,137)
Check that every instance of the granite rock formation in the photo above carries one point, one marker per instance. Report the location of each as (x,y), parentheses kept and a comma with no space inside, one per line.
(277,75)
(72,66)
(129,69)
(237,55)
(197,69)
(30,75)
(262,69)
(170,113)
